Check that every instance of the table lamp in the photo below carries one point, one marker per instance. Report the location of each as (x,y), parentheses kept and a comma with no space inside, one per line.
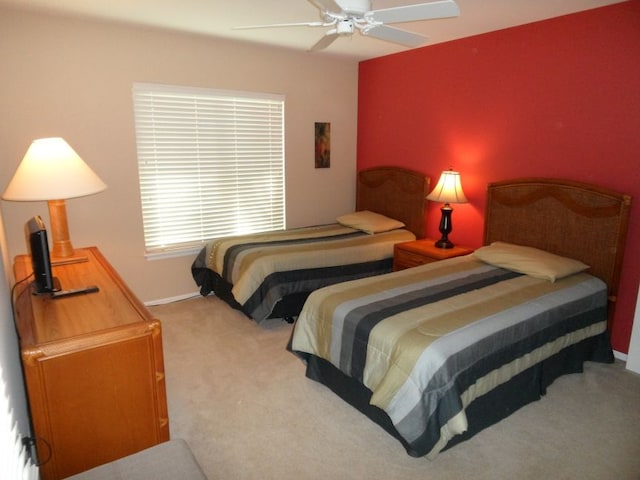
(447,191)
(52,171)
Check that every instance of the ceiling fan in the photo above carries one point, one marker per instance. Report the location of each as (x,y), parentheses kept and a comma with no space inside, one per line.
(346,16)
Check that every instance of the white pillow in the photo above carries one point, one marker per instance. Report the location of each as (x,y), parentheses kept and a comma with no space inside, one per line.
(531,261)
(369,222)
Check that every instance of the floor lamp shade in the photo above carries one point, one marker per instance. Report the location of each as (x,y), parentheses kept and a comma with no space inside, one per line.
(52,171)
(448,190)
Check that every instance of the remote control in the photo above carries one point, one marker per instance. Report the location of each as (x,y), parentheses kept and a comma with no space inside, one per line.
(75,291)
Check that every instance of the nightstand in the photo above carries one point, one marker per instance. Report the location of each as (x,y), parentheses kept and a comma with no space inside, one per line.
(419,252)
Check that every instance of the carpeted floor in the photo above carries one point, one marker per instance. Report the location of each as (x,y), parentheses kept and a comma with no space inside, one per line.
(243,404)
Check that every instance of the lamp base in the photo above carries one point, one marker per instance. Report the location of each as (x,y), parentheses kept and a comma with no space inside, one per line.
(444,243)
(62,251)
(445,227)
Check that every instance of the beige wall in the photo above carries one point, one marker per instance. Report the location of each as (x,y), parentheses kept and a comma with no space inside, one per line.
(72,78)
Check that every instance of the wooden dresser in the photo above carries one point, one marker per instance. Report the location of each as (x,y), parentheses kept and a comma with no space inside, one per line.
(93,367)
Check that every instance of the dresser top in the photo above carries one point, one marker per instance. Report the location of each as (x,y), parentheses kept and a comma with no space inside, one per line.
(75,320)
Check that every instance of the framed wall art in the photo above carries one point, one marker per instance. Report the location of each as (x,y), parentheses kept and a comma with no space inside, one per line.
(323,145)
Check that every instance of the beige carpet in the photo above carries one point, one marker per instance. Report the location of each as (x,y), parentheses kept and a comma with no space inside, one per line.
(243,404)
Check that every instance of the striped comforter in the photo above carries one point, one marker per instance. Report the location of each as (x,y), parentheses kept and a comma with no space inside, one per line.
(262,268)
(429,340)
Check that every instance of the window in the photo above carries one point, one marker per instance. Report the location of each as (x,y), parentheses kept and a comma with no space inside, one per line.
(210,163)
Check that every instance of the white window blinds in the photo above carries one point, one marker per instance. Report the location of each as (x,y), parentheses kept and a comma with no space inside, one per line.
(210,162)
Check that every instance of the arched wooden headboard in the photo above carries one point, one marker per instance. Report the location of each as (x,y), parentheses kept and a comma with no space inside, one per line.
(395,192)
(572,219)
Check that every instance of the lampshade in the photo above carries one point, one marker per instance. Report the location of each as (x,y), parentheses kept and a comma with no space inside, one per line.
(448,189)
(52,170)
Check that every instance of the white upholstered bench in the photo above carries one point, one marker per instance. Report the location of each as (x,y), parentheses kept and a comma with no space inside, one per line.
(169,460)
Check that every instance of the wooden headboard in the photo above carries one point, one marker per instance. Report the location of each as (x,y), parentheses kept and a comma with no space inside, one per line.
(395,192)
(571,219)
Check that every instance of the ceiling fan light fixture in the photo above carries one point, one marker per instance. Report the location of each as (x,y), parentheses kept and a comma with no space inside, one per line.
(345,27)
(355,7)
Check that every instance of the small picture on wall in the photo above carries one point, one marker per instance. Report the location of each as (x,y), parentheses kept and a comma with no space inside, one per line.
(323,145)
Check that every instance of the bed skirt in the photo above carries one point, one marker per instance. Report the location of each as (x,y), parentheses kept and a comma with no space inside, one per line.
(290,287)
(526,387)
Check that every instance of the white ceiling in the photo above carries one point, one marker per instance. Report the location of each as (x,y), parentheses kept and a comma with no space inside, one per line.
(218,17)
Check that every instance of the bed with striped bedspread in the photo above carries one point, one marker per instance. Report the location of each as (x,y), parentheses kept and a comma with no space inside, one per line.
(429,340)
(260,269)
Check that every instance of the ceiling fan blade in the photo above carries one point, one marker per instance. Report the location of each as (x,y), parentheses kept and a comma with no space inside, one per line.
(276,25)
(325,41)
(327,5)
(395,35)
(421,11)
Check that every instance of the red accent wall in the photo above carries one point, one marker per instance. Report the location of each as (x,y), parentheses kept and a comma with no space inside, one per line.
(557,98)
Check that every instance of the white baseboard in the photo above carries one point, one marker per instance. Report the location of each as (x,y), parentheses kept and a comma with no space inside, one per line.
(620,355)
(162,301)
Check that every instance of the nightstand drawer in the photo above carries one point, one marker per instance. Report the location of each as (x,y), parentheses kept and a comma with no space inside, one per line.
(405,259)
(420,252)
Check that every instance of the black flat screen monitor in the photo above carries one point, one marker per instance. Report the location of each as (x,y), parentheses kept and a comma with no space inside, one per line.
(37,242)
